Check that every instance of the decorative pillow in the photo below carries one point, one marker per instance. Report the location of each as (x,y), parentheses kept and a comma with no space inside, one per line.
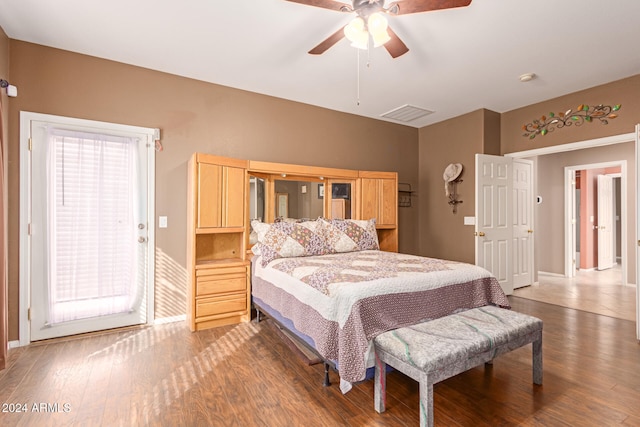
(349,235)
(288,239)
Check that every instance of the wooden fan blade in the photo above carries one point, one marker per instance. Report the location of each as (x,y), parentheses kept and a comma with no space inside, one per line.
(325,4)
(328,42)
(406,7)
(395,46)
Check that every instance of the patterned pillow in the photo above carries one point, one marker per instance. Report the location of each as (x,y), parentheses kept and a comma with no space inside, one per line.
(289,239)
(349,235)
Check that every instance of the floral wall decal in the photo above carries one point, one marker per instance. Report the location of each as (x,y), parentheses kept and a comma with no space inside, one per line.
(582,114)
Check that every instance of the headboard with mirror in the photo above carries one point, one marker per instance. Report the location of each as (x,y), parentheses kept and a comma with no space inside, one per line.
(309,192)
(225,194)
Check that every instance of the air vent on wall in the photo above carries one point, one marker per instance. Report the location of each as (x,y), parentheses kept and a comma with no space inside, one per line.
(406,113)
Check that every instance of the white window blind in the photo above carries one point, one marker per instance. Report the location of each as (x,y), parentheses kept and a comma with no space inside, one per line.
(91,226)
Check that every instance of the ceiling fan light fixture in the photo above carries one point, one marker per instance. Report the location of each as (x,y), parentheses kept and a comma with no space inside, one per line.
(377,22)
(377,25)
(356,33)
(380,38)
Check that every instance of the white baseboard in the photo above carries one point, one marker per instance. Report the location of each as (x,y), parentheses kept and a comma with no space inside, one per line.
(546,273)
(13,344)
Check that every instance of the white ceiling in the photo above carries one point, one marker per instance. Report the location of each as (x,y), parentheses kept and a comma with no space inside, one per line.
(460,59)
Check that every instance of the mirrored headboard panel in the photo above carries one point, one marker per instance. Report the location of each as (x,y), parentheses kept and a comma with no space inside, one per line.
(256,198)
(305,199)
(308,192)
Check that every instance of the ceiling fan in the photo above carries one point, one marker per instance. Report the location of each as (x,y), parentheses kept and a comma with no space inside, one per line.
(370,21)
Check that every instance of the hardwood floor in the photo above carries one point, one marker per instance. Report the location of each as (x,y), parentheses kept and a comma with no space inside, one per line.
(244,375)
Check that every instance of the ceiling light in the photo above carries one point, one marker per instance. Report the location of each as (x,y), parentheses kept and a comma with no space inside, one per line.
(356,33)
(527,77)
(377,25)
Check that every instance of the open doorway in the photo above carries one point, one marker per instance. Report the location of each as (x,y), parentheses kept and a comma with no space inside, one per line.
(597,220)
(556,279)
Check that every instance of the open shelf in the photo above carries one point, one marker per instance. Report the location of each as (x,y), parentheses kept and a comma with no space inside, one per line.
(219,248)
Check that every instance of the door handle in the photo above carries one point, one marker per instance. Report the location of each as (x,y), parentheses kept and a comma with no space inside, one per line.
(479,233)
(141,239)
(529,231)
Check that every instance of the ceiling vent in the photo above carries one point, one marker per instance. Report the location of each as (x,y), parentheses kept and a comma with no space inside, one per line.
(406,113)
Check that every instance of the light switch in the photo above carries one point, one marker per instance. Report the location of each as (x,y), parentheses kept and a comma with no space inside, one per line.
(469,220)
(162,222)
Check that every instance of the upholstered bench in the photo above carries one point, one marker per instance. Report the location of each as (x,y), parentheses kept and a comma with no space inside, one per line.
(433,351)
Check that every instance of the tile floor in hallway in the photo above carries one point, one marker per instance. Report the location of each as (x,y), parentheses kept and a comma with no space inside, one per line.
(600,292)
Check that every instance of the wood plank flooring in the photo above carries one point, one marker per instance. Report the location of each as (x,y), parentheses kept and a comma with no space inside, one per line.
(243,375)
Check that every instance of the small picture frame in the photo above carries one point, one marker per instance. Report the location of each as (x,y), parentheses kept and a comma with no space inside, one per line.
(340,191)
(320,191)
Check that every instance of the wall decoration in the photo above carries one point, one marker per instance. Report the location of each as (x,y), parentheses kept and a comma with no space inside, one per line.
(451,177)
(584,113)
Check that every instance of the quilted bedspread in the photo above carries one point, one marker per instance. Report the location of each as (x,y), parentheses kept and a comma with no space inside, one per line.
(342,301)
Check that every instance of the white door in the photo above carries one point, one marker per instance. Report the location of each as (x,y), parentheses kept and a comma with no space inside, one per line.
(522,223)
(606,258)
(494,217)
(89,229)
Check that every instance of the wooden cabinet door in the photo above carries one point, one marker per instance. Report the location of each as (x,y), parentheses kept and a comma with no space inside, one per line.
(209,195)
(369,189)
(379,199)
(233,196)
(387,204)
(220,196)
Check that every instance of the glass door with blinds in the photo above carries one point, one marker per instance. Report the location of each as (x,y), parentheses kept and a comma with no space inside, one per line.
(89,229)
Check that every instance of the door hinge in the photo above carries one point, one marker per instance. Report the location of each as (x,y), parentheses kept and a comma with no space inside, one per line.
(29,229)
(29,314)
(29,144)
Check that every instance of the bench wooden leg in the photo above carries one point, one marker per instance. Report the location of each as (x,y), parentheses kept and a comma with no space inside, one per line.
(380,386)
(426,401)
(537,360)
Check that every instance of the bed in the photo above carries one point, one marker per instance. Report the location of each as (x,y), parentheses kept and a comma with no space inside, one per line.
(327,282)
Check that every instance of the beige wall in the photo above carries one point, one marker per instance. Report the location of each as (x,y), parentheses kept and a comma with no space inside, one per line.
(195,116)
(549,215)
(625,92)
(443,233)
